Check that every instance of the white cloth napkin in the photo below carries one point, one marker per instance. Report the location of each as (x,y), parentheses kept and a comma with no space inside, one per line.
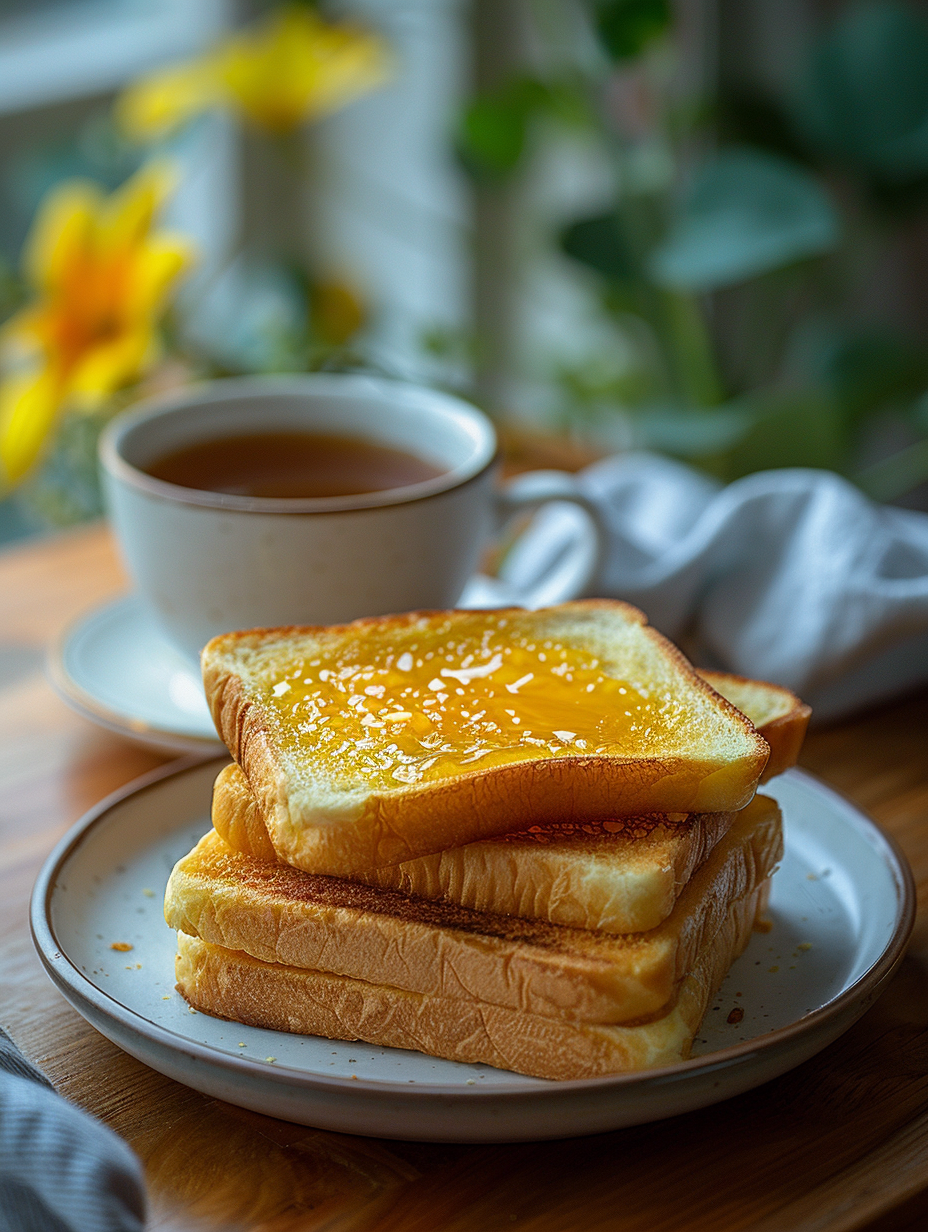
(791,576)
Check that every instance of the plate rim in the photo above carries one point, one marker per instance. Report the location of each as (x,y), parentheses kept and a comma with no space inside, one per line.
(66,976)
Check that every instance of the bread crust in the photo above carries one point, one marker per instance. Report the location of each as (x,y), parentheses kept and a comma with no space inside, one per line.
(787,719)
(237,987)
(277,914)
(545,874)
(235,815)
(619,876)
(346,828)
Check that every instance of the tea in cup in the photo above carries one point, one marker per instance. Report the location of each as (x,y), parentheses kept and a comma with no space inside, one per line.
(313,500)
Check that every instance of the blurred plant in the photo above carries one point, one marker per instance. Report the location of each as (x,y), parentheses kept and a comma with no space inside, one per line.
(87,327)
(98,276)
(288,70)
(291,68)
(737,259)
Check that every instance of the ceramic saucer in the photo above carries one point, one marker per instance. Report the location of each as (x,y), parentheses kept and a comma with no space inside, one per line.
(114,666)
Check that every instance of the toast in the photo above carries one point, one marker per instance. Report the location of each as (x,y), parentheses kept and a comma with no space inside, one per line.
(620,875)
(779,715)
(283,916)
(233,985)
(376,742)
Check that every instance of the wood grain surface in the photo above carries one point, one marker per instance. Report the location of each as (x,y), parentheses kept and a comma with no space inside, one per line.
(840,1143)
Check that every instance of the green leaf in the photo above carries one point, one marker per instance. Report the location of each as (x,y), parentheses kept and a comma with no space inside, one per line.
(626,27)
(494,127)
(598,242)
(747,213)
(492,136)
(871,371)
(863,95)
(802,427)
(900,473)
(688,433)
(567,100)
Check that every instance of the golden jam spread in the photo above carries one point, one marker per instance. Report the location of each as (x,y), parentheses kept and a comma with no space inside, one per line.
(412,705)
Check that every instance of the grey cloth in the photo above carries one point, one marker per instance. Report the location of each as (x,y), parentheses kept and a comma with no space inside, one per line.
(61,1170)
(792,576)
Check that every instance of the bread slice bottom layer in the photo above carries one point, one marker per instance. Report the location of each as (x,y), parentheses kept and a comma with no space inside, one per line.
(280,915)
(232,985)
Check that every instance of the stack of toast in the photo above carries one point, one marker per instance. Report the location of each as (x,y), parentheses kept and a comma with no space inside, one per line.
(528,839)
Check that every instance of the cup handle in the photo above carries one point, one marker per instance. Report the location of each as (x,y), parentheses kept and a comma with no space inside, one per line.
(566,562)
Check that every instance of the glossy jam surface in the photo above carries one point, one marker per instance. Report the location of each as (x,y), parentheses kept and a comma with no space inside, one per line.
(416,705)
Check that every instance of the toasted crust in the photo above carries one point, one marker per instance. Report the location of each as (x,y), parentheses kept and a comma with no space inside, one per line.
(618,876)
(278,914)
(235,815)
(613,877)
(331,823)
(233,985)
(581,875)
(779,715)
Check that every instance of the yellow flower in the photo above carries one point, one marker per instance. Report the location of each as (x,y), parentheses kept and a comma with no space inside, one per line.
(289,69)
(101,276)
(336,312)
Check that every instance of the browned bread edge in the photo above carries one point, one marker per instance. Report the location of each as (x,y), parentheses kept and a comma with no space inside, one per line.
(234,986)
(784,734)
(395,824)
(279,914)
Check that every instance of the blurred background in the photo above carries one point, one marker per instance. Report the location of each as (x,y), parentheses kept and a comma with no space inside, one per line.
(692,226)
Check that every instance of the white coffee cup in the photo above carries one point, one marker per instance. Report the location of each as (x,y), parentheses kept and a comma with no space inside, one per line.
(208,562)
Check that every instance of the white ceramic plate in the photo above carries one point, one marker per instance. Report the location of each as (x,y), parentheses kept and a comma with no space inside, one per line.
(842,905)
(114,666)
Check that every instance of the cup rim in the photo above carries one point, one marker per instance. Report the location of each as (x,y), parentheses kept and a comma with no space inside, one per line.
(204,393)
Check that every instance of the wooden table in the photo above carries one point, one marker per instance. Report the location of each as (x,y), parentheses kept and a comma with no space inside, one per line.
(840,1143)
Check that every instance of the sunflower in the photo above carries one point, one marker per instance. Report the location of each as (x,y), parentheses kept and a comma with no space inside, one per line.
(289,69)
(100,276)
